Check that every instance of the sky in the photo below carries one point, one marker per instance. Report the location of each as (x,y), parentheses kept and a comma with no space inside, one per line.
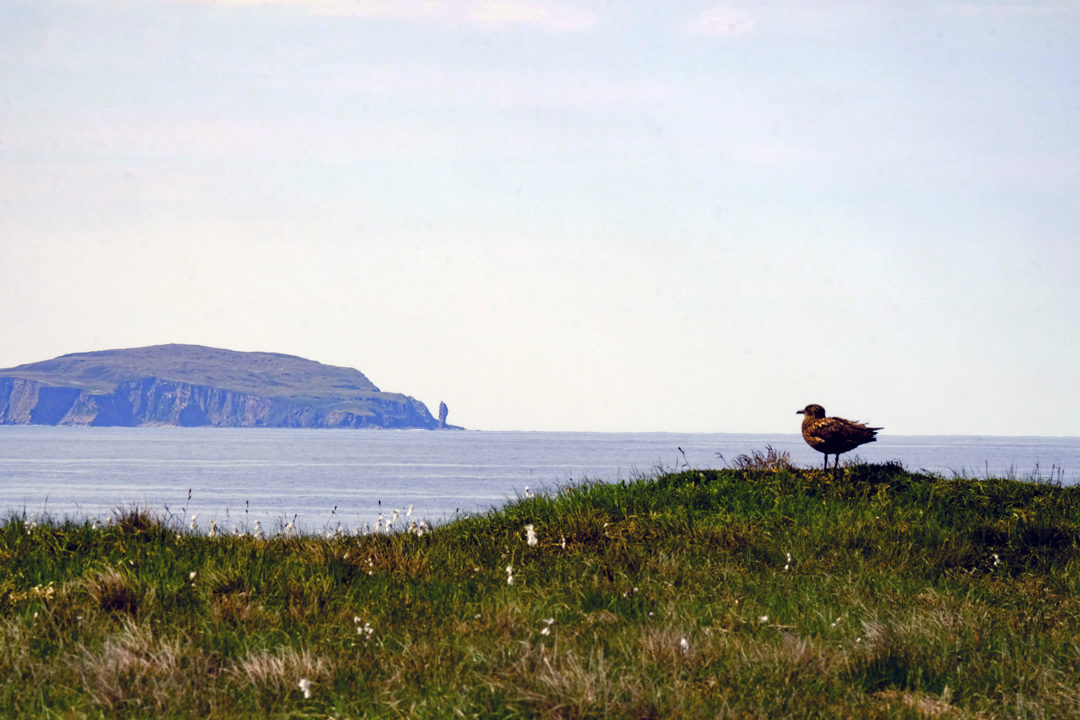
(602,216)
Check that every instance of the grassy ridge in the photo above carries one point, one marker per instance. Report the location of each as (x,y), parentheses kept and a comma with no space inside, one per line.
(736,593)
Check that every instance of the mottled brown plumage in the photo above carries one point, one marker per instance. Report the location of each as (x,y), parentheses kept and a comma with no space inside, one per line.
(833,435)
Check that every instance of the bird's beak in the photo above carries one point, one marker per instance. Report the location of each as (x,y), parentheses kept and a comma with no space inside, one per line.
(800,412)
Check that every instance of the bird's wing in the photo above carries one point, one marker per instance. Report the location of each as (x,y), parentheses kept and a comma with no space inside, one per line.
(833,429)
(823,429)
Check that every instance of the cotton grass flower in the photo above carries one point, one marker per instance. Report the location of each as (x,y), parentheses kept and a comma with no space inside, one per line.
(194,522)
(530,536)
(305,687)
(509,574)
(788,566)
(365,630)
(684,646)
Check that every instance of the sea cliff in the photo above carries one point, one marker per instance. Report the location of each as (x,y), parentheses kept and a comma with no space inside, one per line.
(191,385)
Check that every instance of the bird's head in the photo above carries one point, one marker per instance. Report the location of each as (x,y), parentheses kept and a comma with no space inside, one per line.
(812,411)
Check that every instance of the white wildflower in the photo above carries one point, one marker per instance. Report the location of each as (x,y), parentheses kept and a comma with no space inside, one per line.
(788,566)
(548,622)
(509,574)
(684,646)
(364,630)
(530,536)
(528,492)
(394,517)
(997,559)
(408,513)
(763,619)
(213,529)
(563,542)
(194,522)
(259,531)
(305,687)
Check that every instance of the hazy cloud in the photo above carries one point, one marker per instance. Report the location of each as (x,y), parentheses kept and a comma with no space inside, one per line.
(553,16)
(721,21)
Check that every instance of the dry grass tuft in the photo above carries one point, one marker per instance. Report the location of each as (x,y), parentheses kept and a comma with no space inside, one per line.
(113,591)
(565,685)
(134,670)
(667,647)
(135,520)
(771,459)
(925,705)
(280,669)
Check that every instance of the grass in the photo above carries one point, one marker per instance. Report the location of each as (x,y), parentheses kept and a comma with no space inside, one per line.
(759,591)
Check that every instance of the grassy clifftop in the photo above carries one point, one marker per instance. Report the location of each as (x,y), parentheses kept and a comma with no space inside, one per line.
(258,373)
(874,592)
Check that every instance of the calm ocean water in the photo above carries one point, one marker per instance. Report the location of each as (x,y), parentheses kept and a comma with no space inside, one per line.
(329,477)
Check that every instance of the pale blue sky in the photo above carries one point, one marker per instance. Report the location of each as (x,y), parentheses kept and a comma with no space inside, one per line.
(677,216)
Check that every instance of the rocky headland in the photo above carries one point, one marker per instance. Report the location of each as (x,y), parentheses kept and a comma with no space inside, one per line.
(192,385)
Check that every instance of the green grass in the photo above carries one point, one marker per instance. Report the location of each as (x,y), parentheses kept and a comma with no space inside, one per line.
(740,593)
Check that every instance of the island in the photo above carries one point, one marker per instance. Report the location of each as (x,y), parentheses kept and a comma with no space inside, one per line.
(193,386)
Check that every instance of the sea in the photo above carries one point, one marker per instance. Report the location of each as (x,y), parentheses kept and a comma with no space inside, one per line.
(355,480)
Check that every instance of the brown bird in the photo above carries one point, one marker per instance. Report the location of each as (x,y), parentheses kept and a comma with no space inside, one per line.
(833,435)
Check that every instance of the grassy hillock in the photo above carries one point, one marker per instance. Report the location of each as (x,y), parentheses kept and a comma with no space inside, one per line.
(873,592)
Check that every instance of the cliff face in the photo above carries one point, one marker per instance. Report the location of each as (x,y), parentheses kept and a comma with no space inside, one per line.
(293,393)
